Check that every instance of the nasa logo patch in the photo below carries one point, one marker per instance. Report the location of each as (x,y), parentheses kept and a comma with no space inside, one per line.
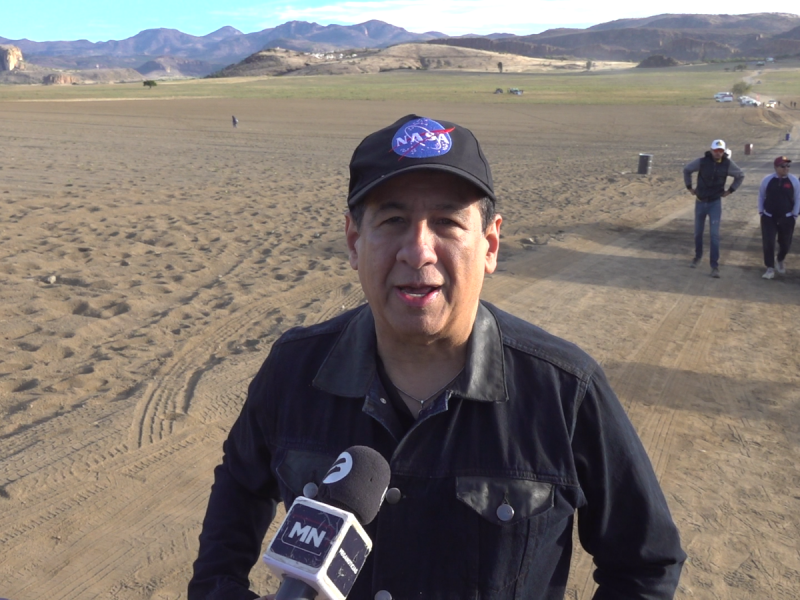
(422,138)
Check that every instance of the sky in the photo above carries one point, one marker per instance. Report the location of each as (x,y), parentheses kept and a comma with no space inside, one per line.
(101,20)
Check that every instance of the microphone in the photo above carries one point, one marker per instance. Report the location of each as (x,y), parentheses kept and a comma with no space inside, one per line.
(321,545)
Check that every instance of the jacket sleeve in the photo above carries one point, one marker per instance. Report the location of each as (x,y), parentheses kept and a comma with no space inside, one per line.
(625,524)
(242,504)
(690,168)
(737,174)
(762,193)
(796,183)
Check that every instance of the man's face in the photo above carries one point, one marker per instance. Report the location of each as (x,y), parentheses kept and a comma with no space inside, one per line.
(782,169)
(718,153)
(421,253)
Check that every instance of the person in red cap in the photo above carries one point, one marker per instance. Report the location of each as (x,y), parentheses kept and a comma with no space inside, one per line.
(779,206)
(713,170)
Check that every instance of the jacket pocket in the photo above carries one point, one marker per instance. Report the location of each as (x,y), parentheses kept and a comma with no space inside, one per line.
(510,514)
(296,468)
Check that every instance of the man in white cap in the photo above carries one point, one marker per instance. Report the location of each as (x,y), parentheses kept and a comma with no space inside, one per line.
(713,170)
(778,205)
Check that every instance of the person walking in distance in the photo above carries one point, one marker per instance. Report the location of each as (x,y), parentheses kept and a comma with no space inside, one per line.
(779,206)
(713,170)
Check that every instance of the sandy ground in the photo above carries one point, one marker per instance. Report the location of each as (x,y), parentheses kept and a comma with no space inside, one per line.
(151,253)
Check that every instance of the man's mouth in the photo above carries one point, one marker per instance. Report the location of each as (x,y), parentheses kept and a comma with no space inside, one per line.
(418,296)
(418,291)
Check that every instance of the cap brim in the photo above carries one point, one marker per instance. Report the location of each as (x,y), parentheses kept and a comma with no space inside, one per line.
(360,194)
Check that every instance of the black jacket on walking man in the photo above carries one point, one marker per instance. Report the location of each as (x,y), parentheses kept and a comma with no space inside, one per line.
(497,433)
(778,205)
(713,170)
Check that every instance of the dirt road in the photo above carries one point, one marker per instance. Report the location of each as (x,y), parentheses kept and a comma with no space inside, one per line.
(151,253)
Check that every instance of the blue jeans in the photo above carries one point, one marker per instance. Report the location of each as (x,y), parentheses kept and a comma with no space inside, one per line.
(712,210)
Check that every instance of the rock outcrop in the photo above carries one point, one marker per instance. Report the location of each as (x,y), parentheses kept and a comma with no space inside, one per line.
(10,58)
(58,79)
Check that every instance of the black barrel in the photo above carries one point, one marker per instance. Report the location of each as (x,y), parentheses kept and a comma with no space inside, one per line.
(645,164)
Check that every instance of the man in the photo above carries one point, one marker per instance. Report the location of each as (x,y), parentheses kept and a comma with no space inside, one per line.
(712,170)
(778,205)
(496,432)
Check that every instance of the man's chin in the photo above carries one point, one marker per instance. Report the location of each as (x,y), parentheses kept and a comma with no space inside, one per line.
(417,329)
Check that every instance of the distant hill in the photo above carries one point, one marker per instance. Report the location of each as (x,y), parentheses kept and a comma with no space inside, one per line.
(765,23)
(414,56)
(682,37)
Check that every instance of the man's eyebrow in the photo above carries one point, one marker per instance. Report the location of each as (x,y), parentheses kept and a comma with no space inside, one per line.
(393,205)
(388,205)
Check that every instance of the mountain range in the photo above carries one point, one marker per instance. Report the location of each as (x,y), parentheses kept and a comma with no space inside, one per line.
(684,37)
(217,49)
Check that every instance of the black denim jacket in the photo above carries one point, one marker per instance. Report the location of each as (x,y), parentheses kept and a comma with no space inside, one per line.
(530,424)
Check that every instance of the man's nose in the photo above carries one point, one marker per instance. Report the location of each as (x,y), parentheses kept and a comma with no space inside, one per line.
(418,247)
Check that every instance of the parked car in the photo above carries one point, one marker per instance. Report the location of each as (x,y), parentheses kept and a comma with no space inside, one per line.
(720,95)
(515,91)
(770,104)
(725,98)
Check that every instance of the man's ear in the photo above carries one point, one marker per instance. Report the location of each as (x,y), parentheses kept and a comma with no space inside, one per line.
(492,235)
(352,236)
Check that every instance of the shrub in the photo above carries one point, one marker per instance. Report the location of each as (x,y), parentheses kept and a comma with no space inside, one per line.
(741,88)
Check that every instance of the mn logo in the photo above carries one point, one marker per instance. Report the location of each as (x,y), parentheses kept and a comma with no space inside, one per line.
(307,534)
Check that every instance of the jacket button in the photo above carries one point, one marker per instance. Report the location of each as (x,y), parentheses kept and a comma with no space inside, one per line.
(310,490)
(393,495)
(505,512)
(383,595)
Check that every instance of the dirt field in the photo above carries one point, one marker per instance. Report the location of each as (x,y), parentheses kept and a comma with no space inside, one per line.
(151,253)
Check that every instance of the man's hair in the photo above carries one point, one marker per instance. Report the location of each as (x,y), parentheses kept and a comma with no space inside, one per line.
(485,205)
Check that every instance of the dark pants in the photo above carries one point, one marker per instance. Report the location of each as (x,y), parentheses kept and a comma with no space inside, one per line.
(783,228)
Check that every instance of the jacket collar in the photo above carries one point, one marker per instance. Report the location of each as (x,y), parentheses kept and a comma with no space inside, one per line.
(349,368)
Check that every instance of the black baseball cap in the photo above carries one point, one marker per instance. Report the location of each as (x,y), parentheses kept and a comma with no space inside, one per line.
(414,143)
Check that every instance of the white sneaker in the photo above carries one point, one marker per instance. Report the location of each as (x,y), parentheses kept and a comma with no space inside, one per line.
(780,267)
(769,274)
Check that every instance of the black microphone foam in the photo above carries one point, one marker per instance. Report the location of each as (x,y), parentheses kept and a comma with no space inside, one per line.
(356,482)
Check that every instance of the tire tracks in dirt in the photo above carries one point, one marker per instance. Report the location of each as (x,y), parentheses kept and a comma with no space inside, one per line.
(168,398)
(174,431)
